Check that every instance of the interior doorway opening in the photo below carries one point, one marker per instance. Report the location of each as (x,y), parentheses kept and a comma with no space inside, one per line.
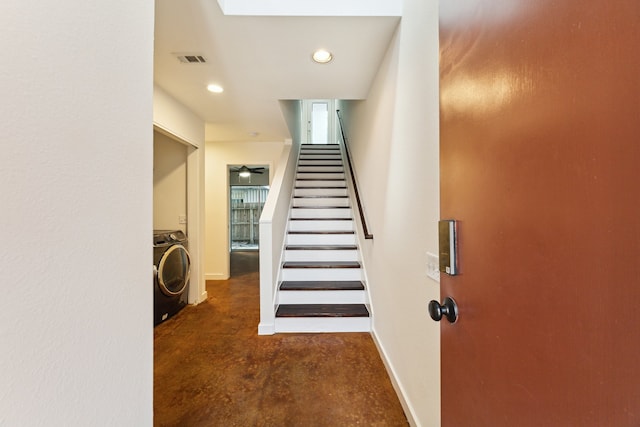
(246,205)
(319,121)
(248,190)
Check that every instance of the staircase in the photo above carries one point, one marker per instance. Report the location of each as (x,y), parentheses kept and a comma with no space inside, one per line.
(322,287)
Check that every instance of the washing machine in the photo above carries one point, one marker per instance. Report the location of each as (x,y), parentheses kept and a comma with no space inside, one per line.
(171,268)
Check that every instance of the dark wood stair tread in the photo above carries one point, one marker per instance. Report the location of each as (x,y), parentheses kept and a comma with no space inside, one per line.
(326,285)
(320,179)
(321,187)
(320,165)
(321,247)
(321,197)
(321,219)
(321,207)
(342,171)
(322,232)
(321,264)
(322,310)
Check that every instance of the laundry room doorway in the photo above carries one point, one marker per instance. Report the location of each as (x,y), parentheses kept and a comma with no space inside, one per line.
(249,187)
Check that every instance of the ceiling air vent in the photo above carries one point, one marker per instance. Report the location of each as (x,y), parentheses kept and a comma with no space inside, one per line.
(191,58)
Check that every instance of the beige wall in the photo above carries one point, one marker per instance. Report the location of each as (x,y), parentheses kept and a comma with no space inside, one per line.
(394,138)
(76,166)
(218,156)
(169,183)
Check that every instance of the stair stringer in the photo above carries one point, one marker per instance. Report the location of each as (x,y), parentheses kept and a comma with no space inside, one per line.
(361,241)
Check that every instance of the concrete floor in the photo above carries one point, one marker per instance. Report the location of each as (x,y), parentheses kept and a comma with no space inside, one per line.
(212,369)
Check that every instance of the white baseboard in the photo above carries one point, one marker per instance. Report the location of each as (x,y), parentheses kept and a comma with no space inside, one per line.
(408,409)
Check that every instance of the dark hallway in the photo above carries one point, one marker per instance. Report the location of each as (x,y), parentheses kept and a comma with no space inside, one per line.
(212,369)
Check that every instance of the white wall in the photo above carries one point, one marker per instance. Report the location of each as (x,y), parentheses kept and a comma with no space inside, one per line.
(173,118)
(76,321)
(394,139)
(219,155)
(273,225)
(169,183)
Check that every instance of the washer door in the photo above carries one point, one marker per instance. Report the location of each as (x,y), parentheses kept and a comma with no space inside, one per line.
(173,270)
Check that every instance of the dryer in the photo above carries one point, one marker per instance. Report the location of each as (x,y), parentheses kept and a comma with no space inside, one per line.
(172,268)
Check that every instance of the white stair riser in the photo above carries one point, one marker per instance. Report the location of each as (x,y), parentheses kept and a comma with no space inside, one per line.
(336,169)
(314,175)
(328,225)
(294,274)
(321,213)
(321,201)
(322,297)
(319,183)
(320,163)
(320,192)
(321,255)
(328,156)
(322,324)
(321,239)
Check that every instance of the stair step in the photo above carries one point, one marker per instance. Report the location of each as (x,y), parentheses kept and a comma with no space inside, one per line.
(317,163)
(321,232)
(320,180)
(321,219)
(321,187)
(319,202)
(321,264)
(320,146)
(320,158)
(321,247)
(321,169)
(322,224)
(314,183)
(320,207)
(326,285)
(306,238)
(341,212)
(320,196)
(318,252)
(322,324)
(320,191)
(322,310)
(319,175)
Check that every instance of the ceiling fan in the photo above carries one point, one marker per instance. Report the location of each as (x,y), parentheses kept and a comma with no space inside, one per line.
(244,171)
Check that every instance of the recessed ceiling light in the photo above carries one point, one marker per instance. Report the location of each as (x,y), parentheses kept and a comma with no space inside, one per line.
(322,56)
(215,88)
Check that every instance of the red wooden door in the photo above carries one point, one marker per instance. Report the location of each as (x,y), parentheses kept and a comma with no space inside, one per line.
(540,164)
